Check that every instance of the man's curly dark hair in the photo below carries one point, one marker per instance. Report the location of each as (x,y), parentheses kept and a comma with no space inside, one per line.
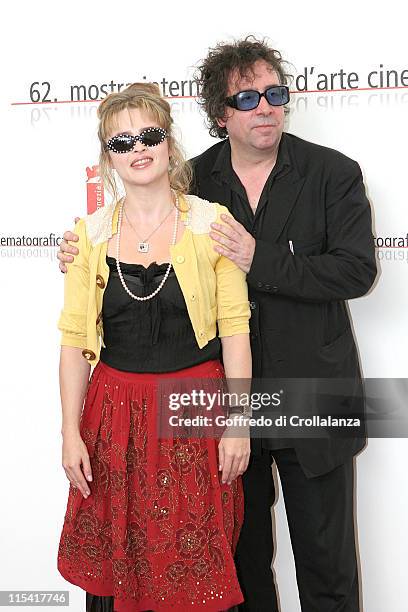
(222,60)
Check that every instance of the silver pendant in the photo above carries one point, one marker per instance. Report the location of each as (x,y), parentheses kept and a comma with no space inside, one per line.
(143,247)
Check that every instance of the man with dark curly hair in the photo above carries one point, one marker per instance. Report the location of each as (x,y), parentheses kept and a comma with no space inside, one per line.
(305,241)
(304,238)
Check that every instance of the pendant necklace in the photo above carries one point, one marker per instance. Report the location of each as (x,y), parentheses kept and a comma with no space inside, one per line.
(143,246)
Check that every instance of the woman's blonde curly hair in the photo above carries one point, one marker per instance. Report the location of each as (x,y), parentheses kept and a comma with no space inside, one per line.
(147,98)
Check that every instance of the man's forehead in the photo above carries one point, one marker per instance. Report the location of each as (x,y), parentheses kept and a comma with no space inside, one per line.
(254,72)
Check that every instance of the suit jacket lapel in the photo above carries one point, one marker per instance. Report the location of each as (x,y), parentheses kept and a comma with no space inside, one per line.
(282,198)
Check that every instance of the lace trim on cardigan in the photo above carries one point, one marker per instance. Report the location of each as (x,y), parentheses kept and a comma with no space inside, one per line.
(198,219)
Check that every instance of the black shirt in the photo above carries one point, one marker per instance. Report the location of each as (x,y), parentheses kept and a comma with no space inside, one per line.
(154,335)
(238,204)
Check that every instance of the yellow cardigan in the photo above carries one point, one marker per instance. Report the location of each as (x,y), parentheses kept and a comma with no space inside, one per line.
(214,288)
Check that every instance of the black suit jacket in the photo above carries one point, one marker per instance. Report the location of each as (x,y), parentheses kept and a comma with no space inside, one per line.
(314,250)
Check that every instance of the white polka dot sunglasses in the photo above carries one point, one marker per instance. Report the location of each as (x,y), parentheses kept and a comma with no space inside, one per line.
(124,143)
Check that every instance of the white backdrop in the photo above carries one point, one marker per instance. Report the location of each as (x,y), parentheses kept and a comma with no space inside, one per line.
(46,149)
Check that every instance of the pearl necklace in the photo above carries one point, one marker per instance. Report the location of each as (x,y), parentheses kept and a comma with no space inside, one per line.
(122,280)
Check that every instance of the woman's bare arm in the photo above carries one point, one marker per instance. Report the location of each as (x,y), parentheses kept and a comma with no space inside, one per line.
(74,377)
(234,451)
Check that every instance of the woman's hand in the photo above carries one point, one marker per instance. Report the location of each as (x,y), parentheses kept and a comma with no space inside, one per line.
(75,454)
(234,453)
(234,447)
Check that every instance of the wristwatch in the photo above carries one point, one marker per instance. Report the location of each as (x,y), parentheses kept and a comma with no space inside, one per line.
(245,411)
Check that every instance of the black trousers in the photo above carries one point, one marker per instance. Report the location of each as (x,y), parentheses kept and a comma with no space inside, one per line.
(320,518)
(99,603)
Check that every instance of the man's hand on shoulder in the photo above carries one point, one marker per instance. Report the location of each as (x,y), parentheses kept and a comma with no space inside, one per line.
(66,250)
(234,242)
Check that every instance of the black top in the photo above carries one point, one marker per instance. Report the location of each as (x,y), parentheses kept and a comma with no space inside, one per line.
(242,211)
(155,335)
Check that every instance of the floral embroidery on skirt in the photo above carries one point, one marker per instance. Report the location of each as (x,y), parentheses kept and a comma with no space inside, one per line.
(159,530)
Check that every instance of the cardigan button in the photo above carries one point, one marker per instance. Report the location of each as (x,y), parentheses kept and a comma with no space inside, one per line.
(201,333)
(88,354)
(180,259)
(193,297)
(99,281)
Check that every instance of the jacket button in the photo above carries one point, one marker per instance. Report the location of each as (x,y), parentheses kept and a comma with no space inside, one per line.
(259,284)
(88,354)
(267,287)
(99,281)
(179,258)
(252,305)
(275,289)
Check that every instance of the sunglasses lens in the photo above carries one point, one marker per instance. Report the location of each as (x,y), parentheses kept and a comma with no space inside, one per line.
(247,100)
(121,144)
(277,95)
(153,137)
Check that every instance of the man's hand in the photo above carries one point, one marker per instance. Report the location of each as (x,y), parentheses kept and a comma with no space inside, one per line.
(237,244)
(65,248)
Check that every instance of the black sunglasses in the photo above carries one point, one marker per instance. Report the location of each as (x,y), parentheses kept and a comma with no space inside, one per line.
(276,95)
(124,143)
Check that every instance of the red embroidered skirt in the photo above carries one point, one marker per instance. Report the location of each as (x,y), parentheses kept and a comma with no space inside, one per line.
(159,530)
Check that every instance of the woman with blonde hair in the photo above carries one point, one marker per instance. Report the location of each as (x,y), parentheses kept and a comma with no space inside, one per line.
(153,512)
